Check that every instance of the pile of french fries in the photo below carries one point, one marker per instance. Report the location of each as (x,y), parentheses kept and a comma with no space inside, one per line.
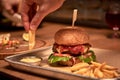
(95,70)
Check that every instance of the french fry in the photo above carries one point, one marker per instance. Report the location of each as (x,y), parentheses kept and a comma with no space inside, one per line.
(31,39)
(105,66)
(79,66)
(106,75)
(95,70)
(82,71)
(91,73)
(110,67)
(95,64)
(86,73)
(108,71)
(102,65)
(98,73)
(116,74)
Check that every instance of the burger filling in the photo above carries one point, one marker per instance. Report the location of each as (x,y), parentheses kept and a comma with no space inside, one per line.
(74,54)
(73,50)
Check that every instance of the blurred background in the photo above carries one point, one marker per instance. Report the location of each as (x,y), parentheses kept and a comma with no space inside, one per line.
(90,13)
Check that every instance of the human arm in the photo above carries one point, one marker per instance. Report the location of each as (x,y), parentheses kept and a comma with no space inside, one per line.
(33,11)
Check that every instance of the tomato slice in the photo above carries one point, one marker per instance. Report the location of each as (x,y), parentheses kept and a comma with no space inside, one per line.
(59,54)
(76,49)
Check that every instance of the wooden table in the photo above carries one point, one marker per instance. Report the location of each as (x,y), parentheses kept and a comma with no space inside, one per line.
(46,32)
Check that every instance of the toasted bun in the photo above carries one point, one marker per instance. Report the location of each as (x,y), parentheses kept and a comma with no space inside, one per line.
(69,62)
(71,36)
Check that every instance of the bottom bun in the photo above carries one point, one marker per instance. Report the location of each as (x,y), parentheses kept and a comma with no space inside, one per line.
(68,63)
(65,63)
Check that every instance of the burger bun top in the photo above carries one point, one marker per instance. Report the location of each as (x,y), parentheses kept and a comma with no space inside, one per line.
(71,36)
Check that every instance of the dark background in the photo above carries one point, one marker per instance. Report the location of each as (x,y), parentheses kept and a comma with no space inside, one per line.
(90,13)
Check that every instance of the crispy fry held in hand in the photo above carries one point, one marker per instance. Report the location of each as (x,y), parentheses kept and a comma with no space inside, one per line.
(31,39)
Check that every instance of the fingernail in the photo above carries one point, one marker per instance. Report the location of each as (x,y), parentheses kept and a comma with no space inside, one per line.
(32,27)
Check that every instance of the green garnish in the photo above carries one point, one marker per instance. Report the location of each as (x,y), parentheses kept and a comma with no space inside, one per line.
(89,58)
(54,59)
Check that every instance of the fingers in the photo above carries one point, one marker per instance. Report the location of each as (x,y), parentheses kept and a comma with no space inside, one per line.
(25,20)
(24,9)
(56,4)
(45,8)
(28,11)
(36,20)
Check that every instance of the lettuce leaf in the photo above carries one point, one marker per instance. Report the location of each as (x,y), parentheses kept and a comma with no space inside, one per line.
(88,59)
(54,59)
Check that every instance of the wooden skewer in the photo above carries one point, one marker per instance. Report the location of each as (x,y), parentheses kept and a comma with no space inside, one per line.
(74,17)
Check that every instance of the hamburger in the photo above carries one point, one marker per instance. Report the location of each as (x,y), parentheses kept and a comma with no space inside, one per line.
(71,46)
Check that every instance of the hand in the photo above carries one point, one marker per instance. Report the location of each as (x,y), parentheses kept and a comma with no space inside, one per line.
(32,18)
